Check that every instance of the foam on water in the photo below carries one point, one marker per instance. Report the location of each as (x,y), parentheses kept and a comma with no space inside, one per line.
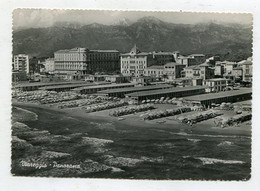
(214,136)
(225,143)
(206,161)
(25,115)
(194,140)
(95,141)
(213,161)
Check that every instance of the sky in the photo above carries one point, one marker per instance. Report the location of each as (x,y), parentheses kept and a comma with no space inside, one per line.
(36,18)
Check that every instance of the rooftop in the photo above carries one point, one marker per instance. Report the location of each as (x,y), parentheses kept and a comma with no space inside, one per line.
(104,86)
(64,86)
(138,54)
(71,50)
(162,53)
(205,64)
(164,91)
(47,84)
(172,64)
(246,62)
(135,50)
(196,55)
(210,96)
(193,67)
(104,51)
(136,88)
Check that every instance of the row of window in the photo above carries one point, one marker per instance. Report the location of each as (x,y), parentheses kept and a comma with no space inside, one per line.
(70,56)
(133,67)
(133,62)
(66,66)
(103,55)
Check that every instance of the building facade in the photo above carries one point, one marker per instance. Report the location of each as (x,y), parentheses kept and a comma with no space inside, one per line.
(155,71)
(21,63)
(191,60)
(173,70)
(133,63)
(216,85)
(102,61)
(238,73)
(199,58)
(49,65)
(71,61)
(247,68)
(219,70)
(186,61)
(161,58)
(203,71)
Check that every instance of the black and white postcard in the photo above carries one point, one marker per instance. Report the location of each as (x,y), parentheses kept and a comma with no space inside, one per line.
(132,95)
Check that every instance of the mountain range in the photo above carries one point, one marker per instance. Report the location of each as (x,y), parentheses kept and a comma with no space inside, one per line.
(230,41)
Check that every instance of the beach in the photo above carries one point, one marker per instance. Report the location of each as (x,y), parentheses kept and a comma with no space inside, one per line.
(132,148)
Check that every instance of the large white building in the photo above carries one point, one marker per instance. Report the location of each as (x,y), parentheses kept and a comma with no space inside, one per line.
(71,61)
(247,69)
(216,84)
(133,63)
(49,65)
(21,63)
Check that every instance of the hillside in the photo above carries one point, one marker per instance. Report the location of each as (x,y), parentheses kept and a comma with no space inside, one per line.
(232,42)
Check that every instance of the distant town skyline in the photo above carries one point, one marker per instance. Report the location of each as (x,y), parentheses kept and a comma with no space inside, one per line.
(36,18)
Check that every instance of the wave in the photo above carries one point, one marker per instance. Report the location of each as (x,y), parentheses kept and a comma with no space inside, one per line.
(206,161)
(225,143)
(20,114)
(213,161)
(207,135)
(103,126)
(95,141)
(194,140)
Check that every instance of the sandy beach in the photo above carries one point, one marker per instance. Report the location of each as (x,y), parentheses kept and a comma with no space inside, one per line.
(136,120)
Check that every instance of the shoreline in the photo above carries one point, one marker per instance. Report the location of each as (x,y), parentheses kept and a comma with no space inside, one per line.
(206,126)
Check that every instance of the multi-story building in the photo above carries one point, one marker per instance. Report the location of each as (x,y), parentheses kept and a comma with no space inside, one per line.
(247,67)
(219,70)
(216,85)
(228,66)
(186,61)
(71,61)
(21,63)
(199,58)
(191,60)
(203,71)
(137,63)
(49,65)
(173,70)
(134,63)
(107,61)
(161,58)
(213,60)
(238,73)
(155,71)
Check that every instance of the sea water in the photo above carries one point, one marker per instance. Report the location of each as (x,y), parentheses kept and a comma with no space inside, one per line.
(105,149)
